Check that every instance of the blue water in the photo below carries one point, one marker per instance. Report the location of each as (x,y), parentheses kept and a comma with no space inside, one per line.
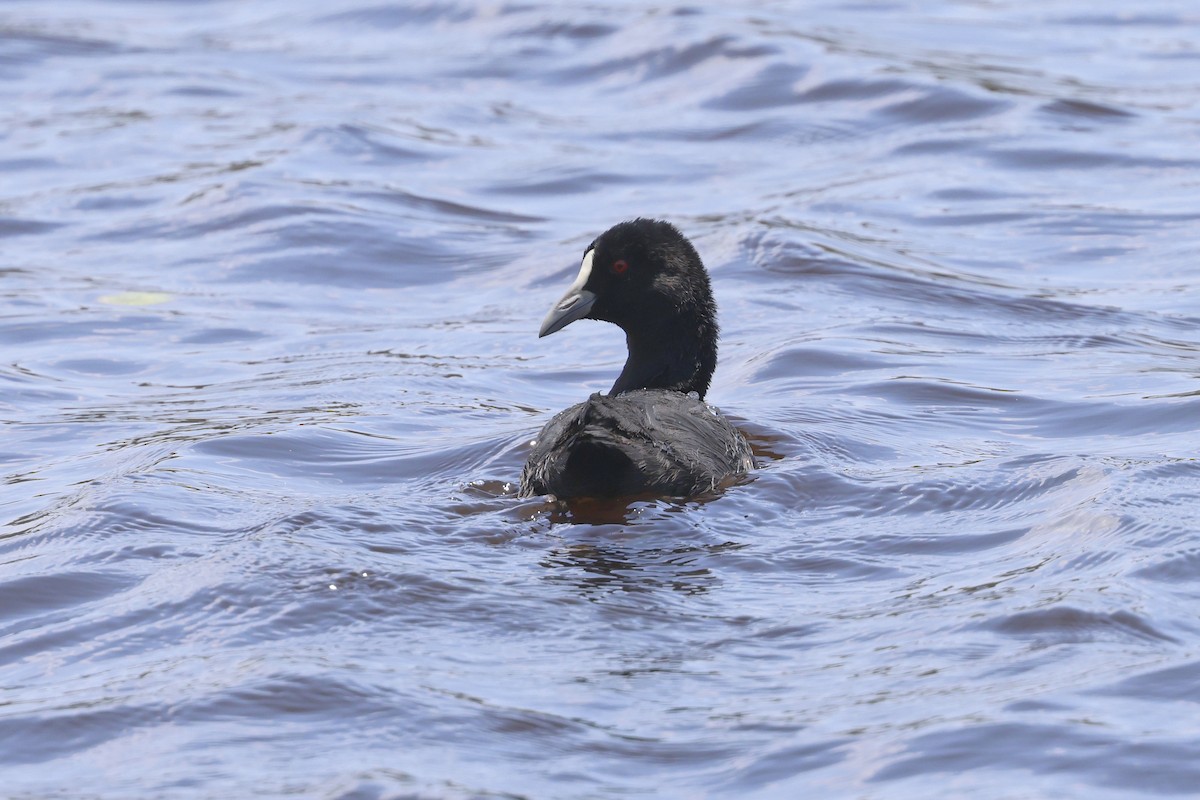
(270,282)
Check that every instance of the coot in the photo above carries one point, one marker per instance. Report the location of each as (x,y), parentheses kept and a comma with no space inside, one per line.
(653,432)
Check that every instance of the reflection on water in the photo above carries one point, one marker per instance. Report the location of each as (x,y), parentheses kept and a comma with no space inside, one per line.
(270,287)
(596,570)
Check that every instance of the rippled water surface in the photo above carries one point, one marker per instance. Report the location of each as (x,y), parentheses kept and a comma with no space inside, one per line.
(270,280)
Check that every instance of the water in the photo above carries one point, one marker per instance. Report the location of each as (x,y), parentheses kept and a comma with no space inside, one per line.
(271,276)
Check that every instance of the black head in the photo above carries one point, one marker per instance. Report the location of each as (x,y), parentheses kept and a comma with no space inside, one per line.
(647,278)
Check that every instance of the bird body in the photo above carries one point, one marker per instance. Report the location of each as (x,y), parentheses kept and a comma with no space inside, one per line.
(644,440)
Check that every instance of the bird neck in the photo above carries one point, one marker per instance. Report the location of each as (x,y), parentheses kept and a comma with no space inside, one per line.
(658,360)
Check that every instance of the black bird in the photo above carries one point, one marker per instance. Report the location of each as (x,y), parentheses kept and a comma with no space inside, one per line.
(653,432)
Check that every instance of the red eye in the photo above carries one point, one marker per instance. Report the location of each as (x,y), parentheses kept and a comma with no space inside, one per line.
(620,266)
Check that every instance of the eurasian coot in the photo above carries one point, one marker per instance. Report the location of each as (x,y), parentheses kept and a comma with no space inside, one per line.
(653,432)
